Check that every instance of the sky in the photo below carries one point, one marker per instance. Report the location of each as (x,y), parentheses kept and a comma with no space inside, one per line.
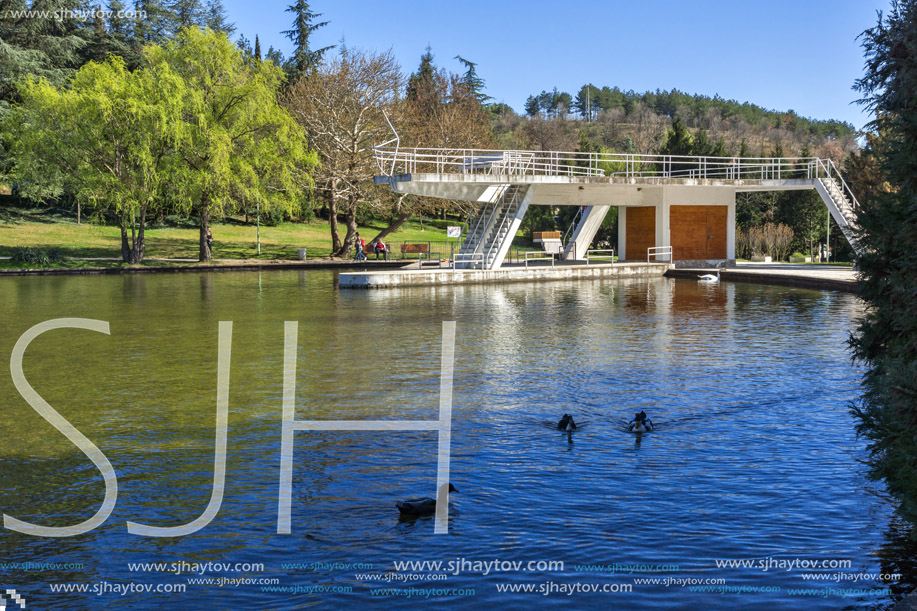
(800,55)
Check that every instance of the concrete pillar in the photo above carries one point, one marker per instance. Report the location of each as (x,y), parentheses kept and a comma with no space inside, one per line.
(585,231)
(622,233)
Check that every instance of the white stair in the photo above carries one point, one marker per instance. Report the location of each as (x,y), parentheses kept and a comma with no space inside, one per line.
(841,206)
(488,228)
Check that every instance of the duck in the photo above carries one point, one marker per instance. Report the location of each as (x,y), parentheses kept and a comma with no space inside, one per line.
(710,277)
(420,507)
(566,423)
(640,423)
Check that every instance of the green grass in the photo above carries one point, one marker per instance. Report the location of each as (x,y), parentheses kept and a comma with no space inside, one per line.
(233,239)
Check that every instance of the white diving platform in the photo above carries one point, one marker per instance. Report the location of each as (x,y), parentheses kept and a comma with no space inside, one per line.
(684,204)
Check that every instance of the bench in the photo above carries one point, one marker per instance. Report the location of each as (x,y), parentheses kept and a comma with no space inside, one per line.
(415,249)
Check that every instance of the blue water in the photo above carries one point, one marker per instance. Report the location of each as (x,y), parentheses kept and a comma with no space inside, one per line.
(754,457)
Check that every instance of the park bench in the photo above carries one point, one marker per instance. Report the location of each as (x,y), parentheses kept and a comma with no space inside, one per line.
(549,240)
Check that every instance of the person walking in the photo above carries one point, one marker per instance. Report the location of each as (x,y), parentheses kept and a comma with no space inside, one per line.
(358,245)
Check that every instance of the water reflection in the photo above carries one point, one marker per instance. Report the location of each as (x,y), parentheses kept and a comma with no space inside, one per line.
(721,370)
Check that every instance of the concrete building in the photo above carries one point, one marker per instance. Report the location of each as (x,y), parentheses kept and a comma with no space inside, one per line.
(675,209)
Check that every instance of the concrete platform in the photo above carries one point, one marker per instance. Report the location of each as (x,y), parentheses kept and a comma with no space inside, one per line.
(811,276)
(446,276)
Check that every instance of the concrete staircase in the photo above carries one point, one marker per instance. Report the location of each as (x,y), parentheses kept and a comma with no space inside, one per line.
(841,208)
(489,228)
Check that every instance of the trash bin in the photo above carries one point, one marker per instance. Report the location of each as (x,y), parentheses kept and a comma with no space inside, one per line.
(301,253)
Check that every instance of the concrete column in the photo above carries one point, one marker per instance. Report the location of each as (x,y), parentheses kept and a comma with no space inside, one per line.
(585,231)
(622,233)
(731,228)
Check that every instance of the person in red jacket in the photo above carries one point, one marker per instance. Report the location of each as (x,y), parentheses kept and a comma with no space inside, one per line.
(379,248)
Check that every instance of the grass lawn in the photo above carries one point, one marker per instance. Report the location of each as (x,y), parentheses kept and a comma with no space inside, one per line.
(233,239)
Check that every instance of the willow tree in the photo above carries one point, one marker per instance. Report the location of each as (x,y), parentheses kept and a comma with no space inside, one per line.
(107,140)
(340,104)
(237,142)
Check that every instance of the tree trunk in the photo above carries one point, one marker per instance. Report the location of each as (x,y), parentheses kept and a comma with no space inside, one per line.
(348,246)
(204,253)
(392,227)
(336,245)
(125,244)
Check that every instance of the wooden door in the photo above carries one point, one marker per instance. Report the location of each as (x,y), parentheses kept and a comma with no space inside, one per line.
(640,231)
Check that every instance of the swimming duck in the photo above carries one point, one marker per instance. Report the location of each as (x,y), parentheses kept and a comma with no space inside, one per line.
(710,277)
(566,423)
(640,423)
(419,507)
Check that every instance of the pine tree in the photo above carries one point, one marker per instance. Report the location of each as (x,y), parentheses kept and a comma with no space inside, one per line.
(257,48)
(216,18)
(303,57)
(886,337)
(474,82)
(422,89)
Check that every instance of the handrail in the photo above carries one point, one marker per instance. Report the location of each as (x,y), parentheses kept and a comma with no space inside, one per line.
(598,250)
(657,252)
(536,256)
(575,163)
(471,256)
(576,218)
(506,216)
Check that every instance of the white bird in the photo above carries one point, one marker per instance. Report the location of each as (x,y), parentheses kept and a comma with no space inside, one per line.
(710,277)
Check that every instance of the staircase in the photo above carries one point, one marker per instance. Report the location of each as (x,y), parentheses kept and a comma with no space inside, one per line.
(488,228)
(841,204)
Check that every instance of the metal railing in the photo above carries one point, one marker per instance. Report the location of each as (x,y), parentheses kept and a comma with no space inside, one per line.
(534,255)
(593,254)
(470,257)
(395,160)
(659,251)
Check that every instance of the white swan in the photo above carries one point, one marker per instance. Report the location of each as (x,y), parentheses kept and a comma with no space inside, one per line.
(710,277)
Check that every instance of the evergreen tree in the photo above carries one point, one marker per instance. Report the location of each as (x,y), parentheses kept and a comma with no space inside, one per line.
(886,337)
(303,57)
(215,18)
(257,48)
(532,107)
(474,82)
(678,140)
(185,14)
(421,87)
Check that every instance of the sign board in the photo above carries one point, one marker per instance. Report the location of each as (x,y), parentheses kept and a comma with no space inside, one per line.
(453,232)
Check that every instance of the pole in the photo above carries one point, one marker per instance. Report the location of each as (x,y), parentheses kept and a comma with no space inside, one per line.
(258,204)
(828,238)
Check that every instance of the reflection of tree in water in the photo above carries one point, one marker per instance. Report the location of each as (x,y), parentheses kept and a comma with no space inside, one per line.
(899,555)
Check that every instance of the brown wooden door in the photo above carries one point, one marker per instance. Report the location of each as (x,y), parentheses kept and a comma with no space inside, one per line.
(698,232)
(640,231)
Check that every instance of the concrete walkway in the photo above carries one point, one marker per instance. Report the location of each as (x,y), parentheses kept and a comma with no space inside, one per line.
(803,275)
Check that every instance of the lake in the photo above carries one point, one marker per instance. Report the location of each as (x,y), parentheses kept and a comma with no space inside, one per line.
(751,492)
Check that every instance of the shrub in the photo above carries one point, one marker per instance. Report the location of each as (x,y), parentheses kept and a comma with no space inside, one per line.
(37,256)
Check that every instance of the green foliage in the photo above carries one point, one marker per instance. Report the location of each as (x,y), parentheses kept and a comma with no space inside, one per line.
(473,82)
(236,143)
(304,57)
(886,337)
(37,256)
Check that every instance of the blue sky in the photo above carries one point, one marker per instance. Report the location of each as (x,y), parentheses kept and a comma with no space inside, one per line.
(780,54)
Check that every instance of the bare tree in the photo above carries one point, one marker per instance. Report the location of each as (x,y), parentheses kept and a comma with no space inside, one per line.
(340,104)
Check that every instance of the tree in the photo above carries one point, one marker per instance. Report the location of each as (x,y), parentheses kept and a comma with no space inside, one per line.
(304,57)
(215,18)
(237,142)
(340,104)
(678,140)
(473,82)
(106,139)
(885,339)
